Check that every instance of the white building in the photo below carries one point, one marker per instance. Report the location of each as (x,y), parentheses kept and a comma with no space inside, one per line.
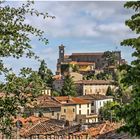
(97,101)
(88,87)
(100,103)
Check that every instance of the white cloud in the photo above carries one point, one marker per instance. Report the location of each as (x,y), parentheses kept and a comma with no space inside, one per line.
(89,22)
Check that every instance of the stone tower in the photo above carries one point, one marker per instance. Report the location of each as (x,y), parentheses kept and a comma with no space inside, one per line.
(61,53)
(60,59)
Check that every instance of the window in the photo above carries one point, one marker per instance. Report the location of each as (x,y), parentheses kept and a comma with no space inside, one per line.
(79,105)
(52,113)
(64,110)
(90,90)
(88,111)
(79,112)
(73,110)
(92,104)
(85,91)
(80,120)
(100,103)
(87,105)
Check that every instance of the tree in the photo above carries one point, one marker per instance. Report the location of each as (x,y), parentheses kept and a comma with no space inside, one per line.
(69,87)
(109,111)
(45,74)
(75,68)
(109,92)
(55,93)
(130,112)
(15,42)
(109,57)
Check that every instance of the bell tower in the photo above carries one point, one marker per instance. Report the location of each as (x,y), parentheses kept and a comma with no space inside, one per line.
(60,60)
(61,53)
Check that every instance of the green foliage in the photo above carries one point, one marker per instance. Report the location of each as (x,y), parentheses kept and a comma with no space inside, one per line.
(98,76)
(109,92)
(15,42)
(69,87)
(130,112)
(19,92)
(109,111)
(65,68)
(75,68)
(103,76)
(45,74)
(14,32)
(109,58)
(55,93)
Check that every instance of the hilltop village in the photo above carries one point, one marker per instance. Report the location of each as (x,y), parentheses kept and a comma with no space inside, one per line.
(74,112)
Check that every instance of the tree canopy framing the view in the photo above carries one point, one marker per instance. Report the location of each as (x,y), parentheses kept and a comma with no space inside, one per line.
(15,42)
(130,112)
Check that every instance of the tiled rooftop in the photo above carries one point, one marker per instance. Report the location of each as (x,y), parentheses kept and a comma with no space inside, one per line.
(71,100)
(100,129)
(42,127)
(47,101)
(95,97)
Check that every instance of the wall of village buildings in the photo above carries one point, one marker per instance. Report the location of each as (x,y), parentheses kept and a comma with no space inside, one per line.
(95,89)
(55,114)
(76,76)
(83,114)
(83,109)
(68,112)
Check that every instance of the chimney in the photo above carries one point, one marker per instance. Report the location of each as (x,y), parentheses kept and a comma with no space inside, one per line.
(69,97)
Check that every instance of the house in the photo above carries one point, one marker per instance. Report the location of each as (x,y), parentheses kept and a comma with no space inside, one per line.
(76,109)
(47,106)
(87,87)
(68,108)
(97,101)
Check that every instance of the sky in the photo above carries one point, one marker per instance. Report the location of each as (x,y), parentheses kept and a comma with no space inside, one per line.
(80,26)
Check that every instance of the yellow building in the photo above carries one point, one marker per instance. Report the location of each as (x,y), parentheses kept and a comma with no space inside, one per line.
(83,66)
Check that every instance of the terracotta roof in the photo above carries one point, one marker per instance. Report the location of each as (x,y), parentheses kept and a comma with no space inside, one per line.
(93,54)
(32,119)
(95,97)
(42,127)
(79,101)
(100,129)
(71,100)
(95,82)
(47,101)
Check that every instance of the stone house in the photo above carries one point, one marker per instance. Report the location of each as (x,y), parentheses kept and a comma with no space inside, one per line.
(47,106)
(76,109)
(88,87)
